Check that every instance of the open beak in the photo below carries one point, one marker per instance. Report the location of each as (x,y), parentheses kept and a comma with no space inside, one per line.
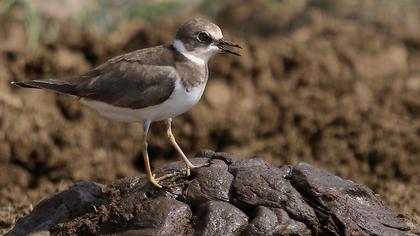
(224,46)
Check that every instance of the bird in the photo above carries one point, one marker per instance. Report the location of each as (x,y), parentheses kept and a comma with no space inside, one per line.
(149,84)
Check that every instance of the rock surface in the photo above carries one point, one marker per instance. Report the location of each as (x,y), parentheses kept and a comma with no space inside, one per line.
(230,197)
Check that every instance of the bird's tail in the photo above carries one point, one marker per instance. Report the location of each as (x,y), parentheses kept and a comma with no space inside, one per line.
(56,85)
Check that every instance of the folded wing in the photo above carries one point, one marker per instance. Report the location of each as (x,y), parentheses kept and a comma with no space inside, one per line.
(123,83)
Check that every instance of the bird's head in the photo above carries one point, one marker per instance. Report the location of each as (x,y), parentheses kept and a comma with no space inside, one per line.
(199,39)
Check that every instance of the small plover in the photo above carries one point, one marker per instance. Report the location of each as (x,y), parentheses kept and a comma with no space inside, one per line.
(150,84)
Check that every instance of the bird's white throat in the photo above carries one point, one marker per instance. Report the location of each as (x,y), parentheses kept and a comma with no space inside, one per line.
(199,55)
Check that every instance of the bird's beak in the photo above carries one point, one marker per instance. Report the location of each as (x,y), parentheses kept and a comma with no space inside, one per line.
(223,45)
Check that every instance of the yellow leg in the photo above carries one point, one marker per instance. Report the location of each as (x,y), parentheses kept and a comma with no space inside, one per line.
(149,173)
(171,137)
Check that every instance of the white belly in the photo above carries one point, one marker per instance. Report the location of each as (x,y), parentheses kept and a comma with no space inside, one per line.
(179,102)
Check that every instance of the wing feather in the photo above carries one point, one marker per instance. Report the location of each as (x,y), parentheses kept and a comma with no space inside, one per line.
(133,80)
(129,84)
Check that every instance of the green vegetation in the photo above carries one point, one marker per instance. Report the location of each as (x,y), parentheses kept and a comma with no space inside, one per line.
(40,17)
(104,15)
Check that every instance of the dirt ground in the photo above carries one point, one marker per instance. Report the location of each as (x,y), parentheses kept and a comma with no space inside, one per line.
(337,92)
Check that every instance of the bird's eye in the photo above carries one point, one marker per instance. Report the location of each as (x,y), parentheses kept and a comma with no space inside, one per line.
(203,37)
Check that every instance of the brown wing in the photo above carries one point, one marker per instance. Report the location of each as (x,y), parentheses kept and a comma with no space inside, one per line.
(122,81)
(129,84)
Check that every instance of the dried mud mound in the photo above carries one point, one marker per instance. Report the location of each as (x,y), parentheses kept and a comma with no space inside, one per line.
(230,197)
(340,94)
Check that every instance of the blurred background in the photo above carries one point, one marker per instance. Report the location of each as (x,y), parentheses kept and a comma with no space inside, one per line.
(332,83)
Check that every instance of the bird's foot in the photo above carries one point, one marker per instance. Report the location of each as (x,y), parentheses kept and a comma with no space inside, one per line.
(156,181)
(194,167)
(167,176)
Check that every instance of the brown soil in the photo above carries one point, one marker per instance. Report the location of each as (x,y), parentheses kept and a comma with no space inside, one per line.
(338,93)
